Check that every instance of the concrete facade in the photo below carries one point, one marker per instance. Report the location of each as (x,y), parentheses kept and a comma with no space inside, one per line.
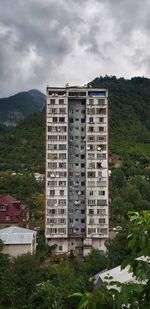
(76,210)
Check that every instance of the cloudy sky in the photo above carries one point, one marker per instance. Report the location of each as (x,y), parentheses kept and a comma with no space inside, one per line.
(58,41)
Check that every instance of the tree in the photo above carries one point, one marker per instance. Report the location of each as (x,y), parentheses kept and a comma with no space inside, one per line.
(130,295)
(95,262)
(118,178)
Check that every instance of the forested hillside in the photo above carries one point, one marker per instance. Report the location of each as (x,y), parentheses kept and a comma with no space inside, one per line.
(129,128)
(129,114)
(19,106)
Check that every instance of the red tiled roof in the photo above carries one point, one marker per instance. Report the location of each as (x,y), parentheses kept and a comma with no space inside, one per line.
(14,208)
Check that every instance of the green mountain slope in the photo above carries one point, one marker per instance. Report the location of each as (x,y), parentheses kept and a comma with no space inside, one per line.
(129,128)
(129,114)
(17,107)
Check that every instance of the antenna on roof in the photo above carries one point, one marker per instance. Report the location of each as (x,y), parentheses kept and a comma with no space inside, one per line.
(67,85)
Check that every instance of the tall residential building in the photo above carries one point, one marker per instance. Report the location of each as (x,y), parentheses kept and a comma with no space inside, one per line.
(76,212)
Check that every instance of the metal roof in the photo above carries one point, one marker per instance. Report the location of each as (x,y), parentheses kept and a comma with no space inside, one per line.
(16,235)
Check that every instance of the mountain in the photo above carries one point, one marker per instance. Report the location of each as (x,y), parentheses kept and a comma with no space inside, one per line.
(23,147)
(17,107)
(129,113)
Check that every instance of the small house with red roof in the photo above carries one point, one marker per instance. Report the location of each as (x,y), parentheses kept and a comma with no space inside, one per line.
(13,212)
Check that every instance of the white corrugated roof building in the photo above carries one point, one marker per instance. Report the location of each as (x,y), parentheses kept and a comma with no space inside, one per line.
(13,236)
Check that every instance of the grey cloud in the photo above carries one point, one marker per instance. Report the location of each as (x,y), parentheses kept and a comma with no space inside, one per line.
(40,39)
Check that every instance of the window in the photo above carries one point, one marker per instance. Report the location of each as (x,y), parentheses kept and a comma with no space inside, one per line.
(101,129)
(62,174)
(101,220)
(51,221)
(82,183)
(61,231)
(91,101)
(62,192)
(52,183)
(82,174)
(52,101)
(52,231)
(82,157)
(102,231)
(82,211)
(91,220)
(61,101)
(91,120)
(101,156)
(92,202)
(55,119)
(62,183)
(52,165)
(91,192)
(51,202)
(62,137)
(62,156)
(7,218)
(101,192)
(62,211)
(62,165)
(91,138)
(101,202)
(61,119)
(51,211)
(52,137)
(101,212)
(91,156)
(82,165)
(62,202)
(52,156)
(62,221)
(99,165)
(52,192)
(92,231)
(52,147)
(82,220)
(91,165)
(62,110)
(91,174)
(91,211)
(2,207)
(71,120)
(60,248)
(62,147)
(101,101)
(91,183)
(82,230)
(53,110)
(82,120)
(101,119)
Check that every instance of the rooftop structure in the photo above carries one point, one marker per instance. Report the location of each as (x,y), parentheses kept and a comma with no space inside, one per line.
(13,212)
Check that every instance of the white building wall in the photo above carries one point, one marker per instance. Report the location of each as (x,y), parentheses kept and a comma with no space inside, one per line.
(56,167)
(96,179)
(16,250)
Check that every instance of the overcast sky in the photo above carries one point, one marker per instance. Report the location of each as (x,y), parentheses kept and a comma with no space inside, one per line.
(58,41)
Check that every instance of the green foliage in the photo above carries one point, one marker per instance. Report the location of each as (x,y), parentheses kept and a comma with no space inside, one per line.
(127,295)
(95,262)
(22,148)
(117,248)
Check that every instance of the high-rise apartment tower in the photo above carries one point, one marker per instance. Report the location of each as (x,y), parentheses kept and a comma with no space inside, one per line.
(76,211)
